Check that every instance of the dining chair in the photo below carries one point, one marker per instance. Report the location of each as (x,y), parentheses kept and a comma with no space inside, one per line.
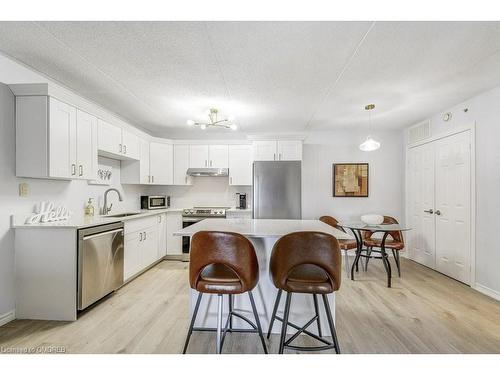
(344,245)
(396,243)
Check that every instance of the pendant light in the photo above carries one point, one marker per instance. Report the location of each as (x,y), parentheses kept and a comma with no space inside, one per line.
(369,144)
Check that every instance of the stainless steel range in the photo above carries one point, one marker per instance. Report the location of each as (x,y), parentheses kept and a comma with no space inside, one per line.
(193,215)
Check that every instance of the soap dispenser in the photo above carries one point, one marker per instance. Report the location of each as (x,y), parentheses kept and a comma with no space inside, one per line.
(89,208)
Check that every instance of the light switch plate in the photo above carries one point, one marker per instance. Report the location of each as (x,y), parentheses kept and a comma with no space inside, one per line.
(23,189)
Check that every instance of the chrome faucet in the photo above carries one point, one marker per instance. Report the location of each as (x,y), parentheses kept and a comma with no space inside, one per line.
(105,208)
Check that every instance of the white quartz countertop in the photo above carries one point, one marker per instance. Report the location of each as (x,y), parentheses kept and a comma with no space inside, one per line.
(79,222)
(234,209)
(262,227)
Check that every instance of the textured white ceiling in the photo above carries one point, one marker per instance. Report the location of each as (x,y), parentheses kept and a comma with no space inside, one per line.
(272,76)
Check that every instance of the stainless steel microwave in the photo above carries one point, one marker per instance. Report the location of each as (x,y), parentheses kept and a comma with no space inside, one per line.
(154,202)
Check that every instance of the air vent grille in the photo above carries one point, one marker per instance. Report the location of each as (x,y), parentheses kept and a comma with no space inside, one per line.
(419,132)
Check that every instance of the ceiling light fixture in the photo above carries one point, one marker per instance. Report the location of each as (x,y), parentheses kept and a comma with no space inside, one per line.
(212,113)
(369,144)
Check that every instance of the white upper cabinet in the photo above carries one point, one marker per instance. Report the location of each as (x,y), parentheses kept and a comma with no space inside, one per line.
(109,138)
(54,139)
(144,163)
(277,150)
(181,165)
(198,156)
(218,156)
(240,164)
(208,156)
(86,145)
(264,150)
(131,146)
(161,163)
(289,150)
(62,140)
(117,143)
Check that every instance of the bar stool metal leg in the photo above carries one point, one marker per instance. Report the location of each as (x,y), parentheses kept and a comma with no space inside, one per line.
(275,309)
(285,321)
(331,324)
(219,324)
(368,254)
(316,309)
(193,319)
(257,321)
(230,311)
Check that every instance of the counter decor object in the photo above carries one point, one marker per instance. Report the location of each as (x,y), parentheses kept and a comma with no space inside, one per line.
(89,208)
(372,219)
(46,212)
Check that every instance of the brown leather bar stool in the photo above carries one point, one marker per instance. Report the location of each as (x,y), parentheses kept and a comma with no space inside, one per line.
(223,263)
(305,262)
(345,245)
(396,244)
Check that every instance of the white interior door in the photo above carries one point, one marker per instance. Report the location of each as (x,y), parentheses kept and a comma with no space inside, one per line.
(421,239)
(453,206)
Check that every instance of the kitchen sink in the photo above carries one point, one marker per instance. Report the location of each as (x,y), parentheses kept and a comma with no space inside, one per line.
(123,214)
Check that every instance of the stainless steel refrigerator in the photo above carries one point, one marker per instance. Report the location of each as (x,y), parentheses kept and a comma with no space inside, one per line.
(277,192)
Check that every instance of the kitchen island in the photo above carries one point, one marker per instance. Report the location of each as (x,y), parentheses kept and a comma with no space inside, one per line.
(263,233)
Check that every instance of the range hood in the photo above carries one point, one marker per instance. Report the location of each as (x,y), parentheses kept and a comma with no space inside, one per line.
(208,172)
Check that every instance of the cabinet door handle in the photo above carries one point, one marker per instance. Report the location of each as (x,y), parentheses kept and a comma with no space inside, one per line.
(140,237)
(152,179)
(438,212)
(145,236)
(206,163)
(149,179)
(80,170)
(124,149)
(429,211)
(210,162)
(274,156)
(120,147)
(73,169)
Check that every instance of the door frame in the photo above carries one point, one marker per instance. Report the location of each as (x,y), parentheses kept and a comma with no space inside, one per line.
(472,129)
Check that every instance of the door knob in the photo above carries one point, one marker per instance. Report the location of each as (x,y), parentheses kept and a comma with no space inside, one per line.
(438,212)
(429,211)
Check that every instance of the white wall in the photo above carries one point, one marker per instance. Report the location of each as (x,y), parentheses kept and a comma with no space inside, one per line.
(205,191)
(322,149)
(484,110)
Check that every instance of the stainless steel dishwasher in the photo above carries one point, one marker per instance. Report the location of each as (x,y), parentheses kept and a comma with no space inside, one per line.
(100,262)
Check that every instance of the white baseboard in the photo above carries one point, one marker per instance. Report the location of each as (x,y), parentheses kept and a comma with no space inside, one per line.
(7,317)
(488,291)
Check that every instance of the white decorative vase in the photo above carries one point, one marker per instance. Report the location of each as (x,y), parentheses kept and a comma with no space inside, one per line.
(372,219)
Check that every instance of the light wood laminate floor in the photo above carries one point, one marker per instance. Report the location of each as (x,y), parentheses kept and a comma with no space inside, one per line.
(424,312)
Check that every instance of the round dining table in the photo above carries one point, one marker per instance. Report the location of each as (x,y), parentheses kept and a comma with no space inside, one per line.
(358,228)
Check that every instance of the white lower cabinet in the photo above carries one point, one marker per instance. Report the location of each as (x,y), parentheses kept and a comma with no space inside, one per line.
(174,243)
(162,236)
(141,245)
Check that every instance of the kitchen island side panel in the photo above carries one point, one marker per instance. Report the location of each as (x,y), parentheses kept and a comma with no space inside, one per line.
(46,274)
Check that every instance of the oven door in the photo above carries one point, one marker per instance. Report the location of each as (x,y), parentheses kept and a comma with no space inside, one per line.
(186,240)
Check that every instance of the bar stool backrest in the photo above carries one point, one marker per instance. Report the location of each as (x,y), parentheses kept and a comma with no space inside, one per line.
(229,249)
(305,248)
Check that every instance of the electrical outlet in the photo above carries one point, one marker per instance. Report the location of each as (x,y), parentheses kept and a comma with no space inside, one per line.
(23,190)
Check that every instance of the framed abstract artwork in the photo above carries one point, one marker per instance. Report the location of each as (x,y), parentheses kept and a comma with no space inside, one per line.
(350,180)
